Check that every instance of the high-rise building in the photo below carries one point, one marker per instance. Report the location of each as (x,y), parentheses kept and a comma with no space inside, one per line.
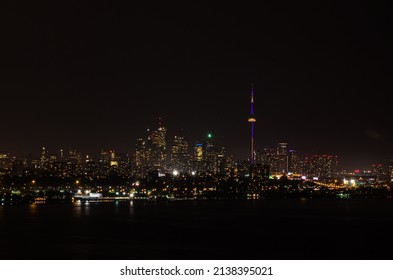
(113,158)
(180,156)
(198,152)
(207,157)
(198,163)
(282,158)
(44,159)
(276,159)
(320,166)
(391,170)
(223,163)
(158,146)
(294,162)
(142,158)
(209,154)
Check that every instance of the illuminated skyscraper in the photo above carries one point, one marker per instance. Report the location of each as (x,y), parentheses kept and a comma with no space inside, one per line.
(391,170)
(293,162)
(252,120)
(141,158)
(198,154)
(198,163)
(44,158)
(180,156)
(321,166)
(209,153)
(204,155)
(282,157)
(113,158)
(158,141)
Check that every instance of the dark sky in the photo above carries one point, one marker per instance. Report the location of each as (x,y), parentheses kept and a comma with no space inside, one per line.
(95,75)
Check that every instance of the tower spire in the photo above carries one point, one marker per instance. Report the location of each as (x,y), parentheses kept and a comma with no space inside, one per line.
(252,120)
(252,99)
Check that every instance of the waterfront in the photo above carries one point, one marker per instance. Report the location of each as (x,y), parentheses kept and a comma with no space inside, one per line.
(230,229)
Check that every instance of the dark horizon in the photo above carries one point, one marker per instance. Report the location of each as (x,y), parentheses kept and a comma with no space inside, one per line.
(97,76)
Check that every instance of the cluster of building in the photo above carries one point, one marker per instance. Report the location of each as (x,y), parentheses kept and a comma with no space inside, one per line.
(155,157)
(205,158)
(152,154)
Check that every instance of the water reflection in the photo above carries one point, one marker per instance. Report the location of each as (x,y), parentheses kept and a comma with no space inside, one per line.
(33,209)
(81,208)
(131,208)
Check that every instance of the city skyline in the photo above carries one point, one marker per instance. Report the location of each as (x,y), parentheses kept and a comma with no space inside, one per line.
(321,76)
(167,146)
(167,141)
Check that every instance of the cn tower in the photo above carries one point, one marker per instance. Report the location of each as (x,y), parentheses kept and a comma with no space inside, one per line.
(252,120)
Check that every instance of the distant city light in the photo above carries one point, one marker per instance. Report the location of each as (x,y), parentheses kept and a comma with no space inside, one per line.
(175,172)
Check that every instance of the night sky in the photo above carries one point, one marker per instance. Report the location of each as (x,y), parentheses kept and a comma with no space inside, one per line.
(94,75)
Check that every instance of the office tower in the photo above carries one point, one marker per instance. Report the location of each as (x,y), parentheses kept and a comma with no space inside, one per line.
(158,142)
(180,156)
(282,157)
(142,158)
(44,160)
(198,162)
(321,166)
(113,158)
(209,154)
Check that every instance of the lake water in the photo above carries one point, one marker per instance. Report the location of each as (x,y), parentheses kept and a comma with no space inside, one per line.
(260,229)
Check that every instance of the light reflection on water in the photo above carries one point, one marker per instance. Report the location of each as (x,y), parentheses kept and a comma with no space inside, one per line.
(131,212)
(33,209)
(85,208)
(81,208)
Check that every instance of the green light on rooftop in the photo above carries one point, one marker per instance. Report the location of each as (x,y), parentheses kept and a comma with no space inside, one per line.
(209,135)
